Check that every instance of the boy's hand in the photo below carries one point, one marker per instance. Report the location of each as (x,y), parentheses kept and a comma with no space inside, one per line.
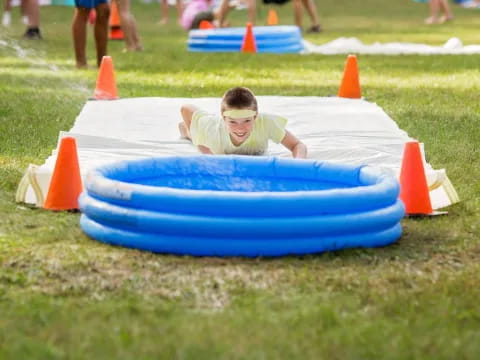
(204,150)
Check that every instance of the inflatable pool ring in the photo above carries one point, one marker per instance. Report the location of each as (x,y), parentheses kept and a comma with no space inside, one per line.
(269,39)
(240,206)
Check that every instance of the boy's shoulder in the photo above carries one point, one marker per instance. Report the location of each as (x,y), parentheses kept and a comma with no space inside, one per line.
(271,117)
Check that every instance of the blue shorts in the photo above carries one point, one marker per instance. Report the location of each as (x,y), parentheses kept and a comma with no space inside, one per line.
(89,4)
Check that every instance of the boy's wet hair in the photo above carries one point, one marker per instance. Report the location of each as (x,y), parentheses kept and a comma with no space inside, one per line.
(239,98)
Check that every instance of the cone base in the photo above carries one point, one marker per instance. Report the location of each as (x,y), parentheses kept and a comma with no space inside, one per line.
(111,98)
(205,25)
(433,213)
(104,97)
(56,208)
(353,97)
(116,34)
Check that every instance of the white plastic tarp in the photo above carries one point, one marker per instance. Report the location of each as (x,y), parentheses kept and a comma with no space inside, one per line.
(334,129)
(453,46)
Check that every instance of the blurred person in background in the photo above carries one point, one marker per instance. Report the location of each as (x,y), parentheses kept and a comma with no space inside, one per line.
(79,29)
(164,11)
(7,13)
(435,7)
(32,10)
(129,26)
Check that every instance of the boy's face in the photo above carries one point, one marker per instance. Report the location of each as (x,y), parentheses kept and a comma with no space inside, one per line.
(239,125)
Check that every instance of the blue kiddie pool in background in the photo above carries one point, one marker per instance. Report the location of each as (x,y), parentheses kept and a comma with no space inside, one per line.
(240,206)
(269,39)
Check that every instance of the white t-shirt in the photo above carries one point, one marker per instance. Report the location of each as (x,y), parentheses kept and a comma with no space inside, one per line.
(210,130)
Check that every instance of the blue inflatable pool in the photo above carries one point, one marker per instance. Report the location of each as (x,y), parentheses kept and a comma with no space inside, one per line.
(240,206)
(269,39)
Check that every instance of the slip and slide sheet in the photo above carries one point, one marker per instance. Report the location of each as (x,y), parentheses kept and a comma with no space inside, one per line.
(334,129)
(453,46)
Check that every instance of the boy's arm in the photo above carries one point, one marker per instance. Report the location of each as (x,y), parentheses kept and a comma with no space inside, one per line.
(204,150)
(187,111)
(298,149)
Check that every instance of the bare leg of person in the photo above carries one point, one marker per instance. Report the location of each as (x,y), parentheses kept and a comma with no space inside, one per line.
(79,33)
(123,12)
(180,9)
(312,12)
(136,37)
(447,13)
(434,7)
(7,6)
(251,10)
(23,10)
(101,31)
(128,25)
(298,12)
(134,31)
(33,12)
(163,12)
(7,16)
(32,8)
(221,13)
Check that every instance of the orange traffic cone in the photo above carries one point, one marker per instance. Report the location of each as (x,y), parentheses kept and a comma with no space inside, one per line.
(106,88)
(248,44)
(272,18)
(66,183)
(350,86)
(413,182)
(205,25)
(116,32)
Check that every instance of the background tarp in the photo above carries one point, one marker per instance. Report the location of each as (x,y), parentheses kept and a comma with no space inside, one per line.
(453,46)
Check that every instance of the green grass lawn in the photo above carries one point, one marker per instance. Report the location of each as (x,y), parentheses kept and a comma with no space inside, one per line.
(65,296)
